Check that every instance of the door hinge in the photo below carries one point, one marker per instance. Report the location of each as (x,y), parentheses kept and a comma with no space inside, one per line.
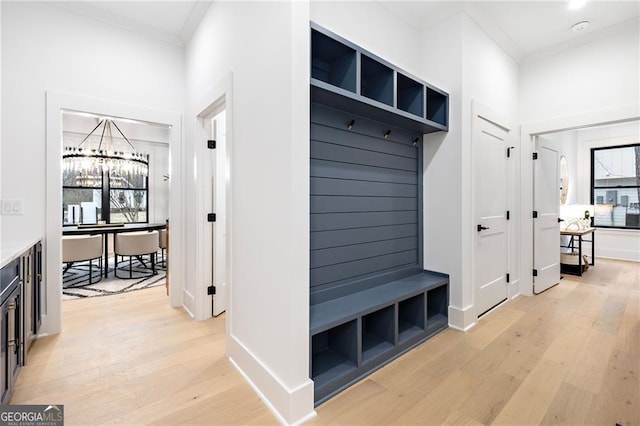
(535,214)
(535,272)
(508,215)
(507,277)
(535,155)
(211,144)
(211,290)
(211,217)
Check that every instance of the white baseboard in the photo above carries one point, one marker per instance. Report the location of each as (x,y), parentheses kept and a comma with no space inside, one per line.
(462,319)
(189,303)
(513,289)
(290,406)
(631,255)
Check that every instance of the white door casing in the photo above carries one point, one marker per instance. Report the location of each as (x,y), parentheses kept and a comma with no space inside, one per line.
(214,200)
(546,205)
(490,139)
(219,270)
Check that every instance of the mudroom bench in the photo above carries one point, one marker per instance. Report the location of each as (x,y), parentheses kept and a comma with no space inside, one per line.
(354,335)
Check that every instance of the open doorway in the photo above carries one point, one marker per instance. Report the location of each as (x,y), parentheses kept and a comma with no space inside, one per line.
(56,104)
(114,188)
(574,138)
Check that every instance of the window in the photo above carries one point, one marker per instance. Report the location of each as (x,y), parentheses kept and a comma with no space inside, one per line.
(615,186)
(126,195)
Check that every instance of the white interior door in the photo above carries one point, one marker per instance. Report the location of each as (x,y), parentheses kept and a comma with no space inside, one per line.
(546,205)
(490,209)
(219,235)
(214,201)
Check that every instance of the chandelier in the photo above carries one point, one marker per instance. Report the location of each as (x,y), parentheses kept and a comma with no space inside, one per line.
(92,163)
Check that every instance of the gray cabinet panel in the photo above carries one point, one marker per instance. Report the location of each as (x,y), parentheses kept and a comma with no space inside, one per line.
(327,186)
(355,140)
(335,255)
(340,204)
(335,221)
(327,274)
(327,151)
(337,170)
(346,237)
(336,118)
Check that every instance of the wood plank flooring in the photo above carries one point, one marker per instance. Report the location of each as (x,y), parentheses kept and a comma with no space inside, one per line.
(568,356)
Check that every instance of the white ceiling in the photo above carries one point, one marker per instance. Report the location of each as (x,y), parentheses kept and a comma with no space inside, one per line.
(525,28)
(522,28)
(170,21)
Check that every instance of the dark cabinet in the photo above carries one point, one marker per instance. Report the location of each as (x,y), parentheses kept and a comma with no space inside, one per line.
(11,328)
(20,313)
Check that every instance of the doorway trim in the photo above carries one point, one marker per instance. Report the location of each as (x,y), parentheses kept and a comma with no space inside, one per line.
(528,133)
(218,98)
(56,103)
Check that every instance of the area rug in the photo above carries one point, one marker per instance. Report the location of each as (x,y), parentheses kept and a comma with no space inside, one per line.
(75,282)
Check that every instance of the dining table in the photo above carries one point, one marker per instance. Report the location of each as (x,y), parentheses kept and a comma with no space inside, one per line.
(109,228)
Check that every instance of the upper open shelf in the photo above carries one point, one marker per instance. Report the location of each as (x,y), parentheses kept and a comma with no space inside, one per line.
(345,76)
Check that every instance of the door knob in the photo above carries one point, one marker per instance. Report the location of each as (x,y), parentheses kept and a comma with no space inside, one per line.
(560,220)
(482,228)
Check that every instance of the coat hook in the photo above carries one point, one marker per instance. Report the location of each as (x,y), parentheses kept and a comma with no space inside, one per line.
(350,125)
(386,134)
(415,141)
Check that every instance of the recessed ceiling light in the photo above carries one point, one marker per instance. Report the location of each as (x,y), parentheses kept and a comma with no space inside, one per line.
(580,26)
(576,4)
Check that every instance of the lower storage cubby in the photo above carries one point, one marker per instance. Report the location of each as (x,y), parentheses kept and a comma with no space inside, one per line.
(355,334)
(437,306)
(334,352)
(378,333)
(410,317)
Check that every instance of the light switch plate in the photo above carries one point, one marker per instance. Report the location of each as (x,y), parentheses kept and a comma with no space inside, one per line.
(12,207)
(7,207)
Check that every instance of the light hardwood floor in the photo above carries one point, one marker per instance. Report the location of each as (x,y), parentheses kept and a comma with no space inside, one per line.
(568,356)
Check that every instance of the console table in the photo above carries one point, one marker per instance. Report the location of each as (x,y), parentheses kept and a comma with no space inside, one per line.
(104,230)
(579,236)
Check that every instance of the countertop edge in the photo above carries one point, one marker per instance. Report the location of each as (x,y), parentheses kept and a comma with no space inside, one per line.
(10,252)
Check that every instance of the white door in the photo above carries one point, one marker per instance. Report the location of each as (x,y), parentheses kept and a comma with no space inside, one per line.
(490,210)
(214,199)
(546,206)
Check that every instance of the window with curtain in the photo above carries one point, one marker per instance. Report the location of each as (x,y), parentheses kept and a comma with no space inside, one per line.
(615,186)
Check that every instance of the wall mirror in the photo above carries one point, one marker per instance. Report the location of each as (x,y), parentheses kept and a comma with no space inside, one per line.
(564,180)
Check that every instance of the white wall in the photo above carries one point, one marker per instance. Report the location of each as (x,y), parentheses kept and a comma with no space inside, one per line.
(586,78)
(442,58)
(460,57)
(587,85)
(1,137)
(48,48)
(265,47)
(55,60)
(381,32)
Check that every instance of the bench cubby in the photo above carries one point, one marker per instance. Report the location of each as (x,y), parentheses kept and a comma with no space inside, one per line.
(333,62)
(437,106)
(334,352)
(378,333)
(411,317)
(437,306)
(376,80)
(410,95)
